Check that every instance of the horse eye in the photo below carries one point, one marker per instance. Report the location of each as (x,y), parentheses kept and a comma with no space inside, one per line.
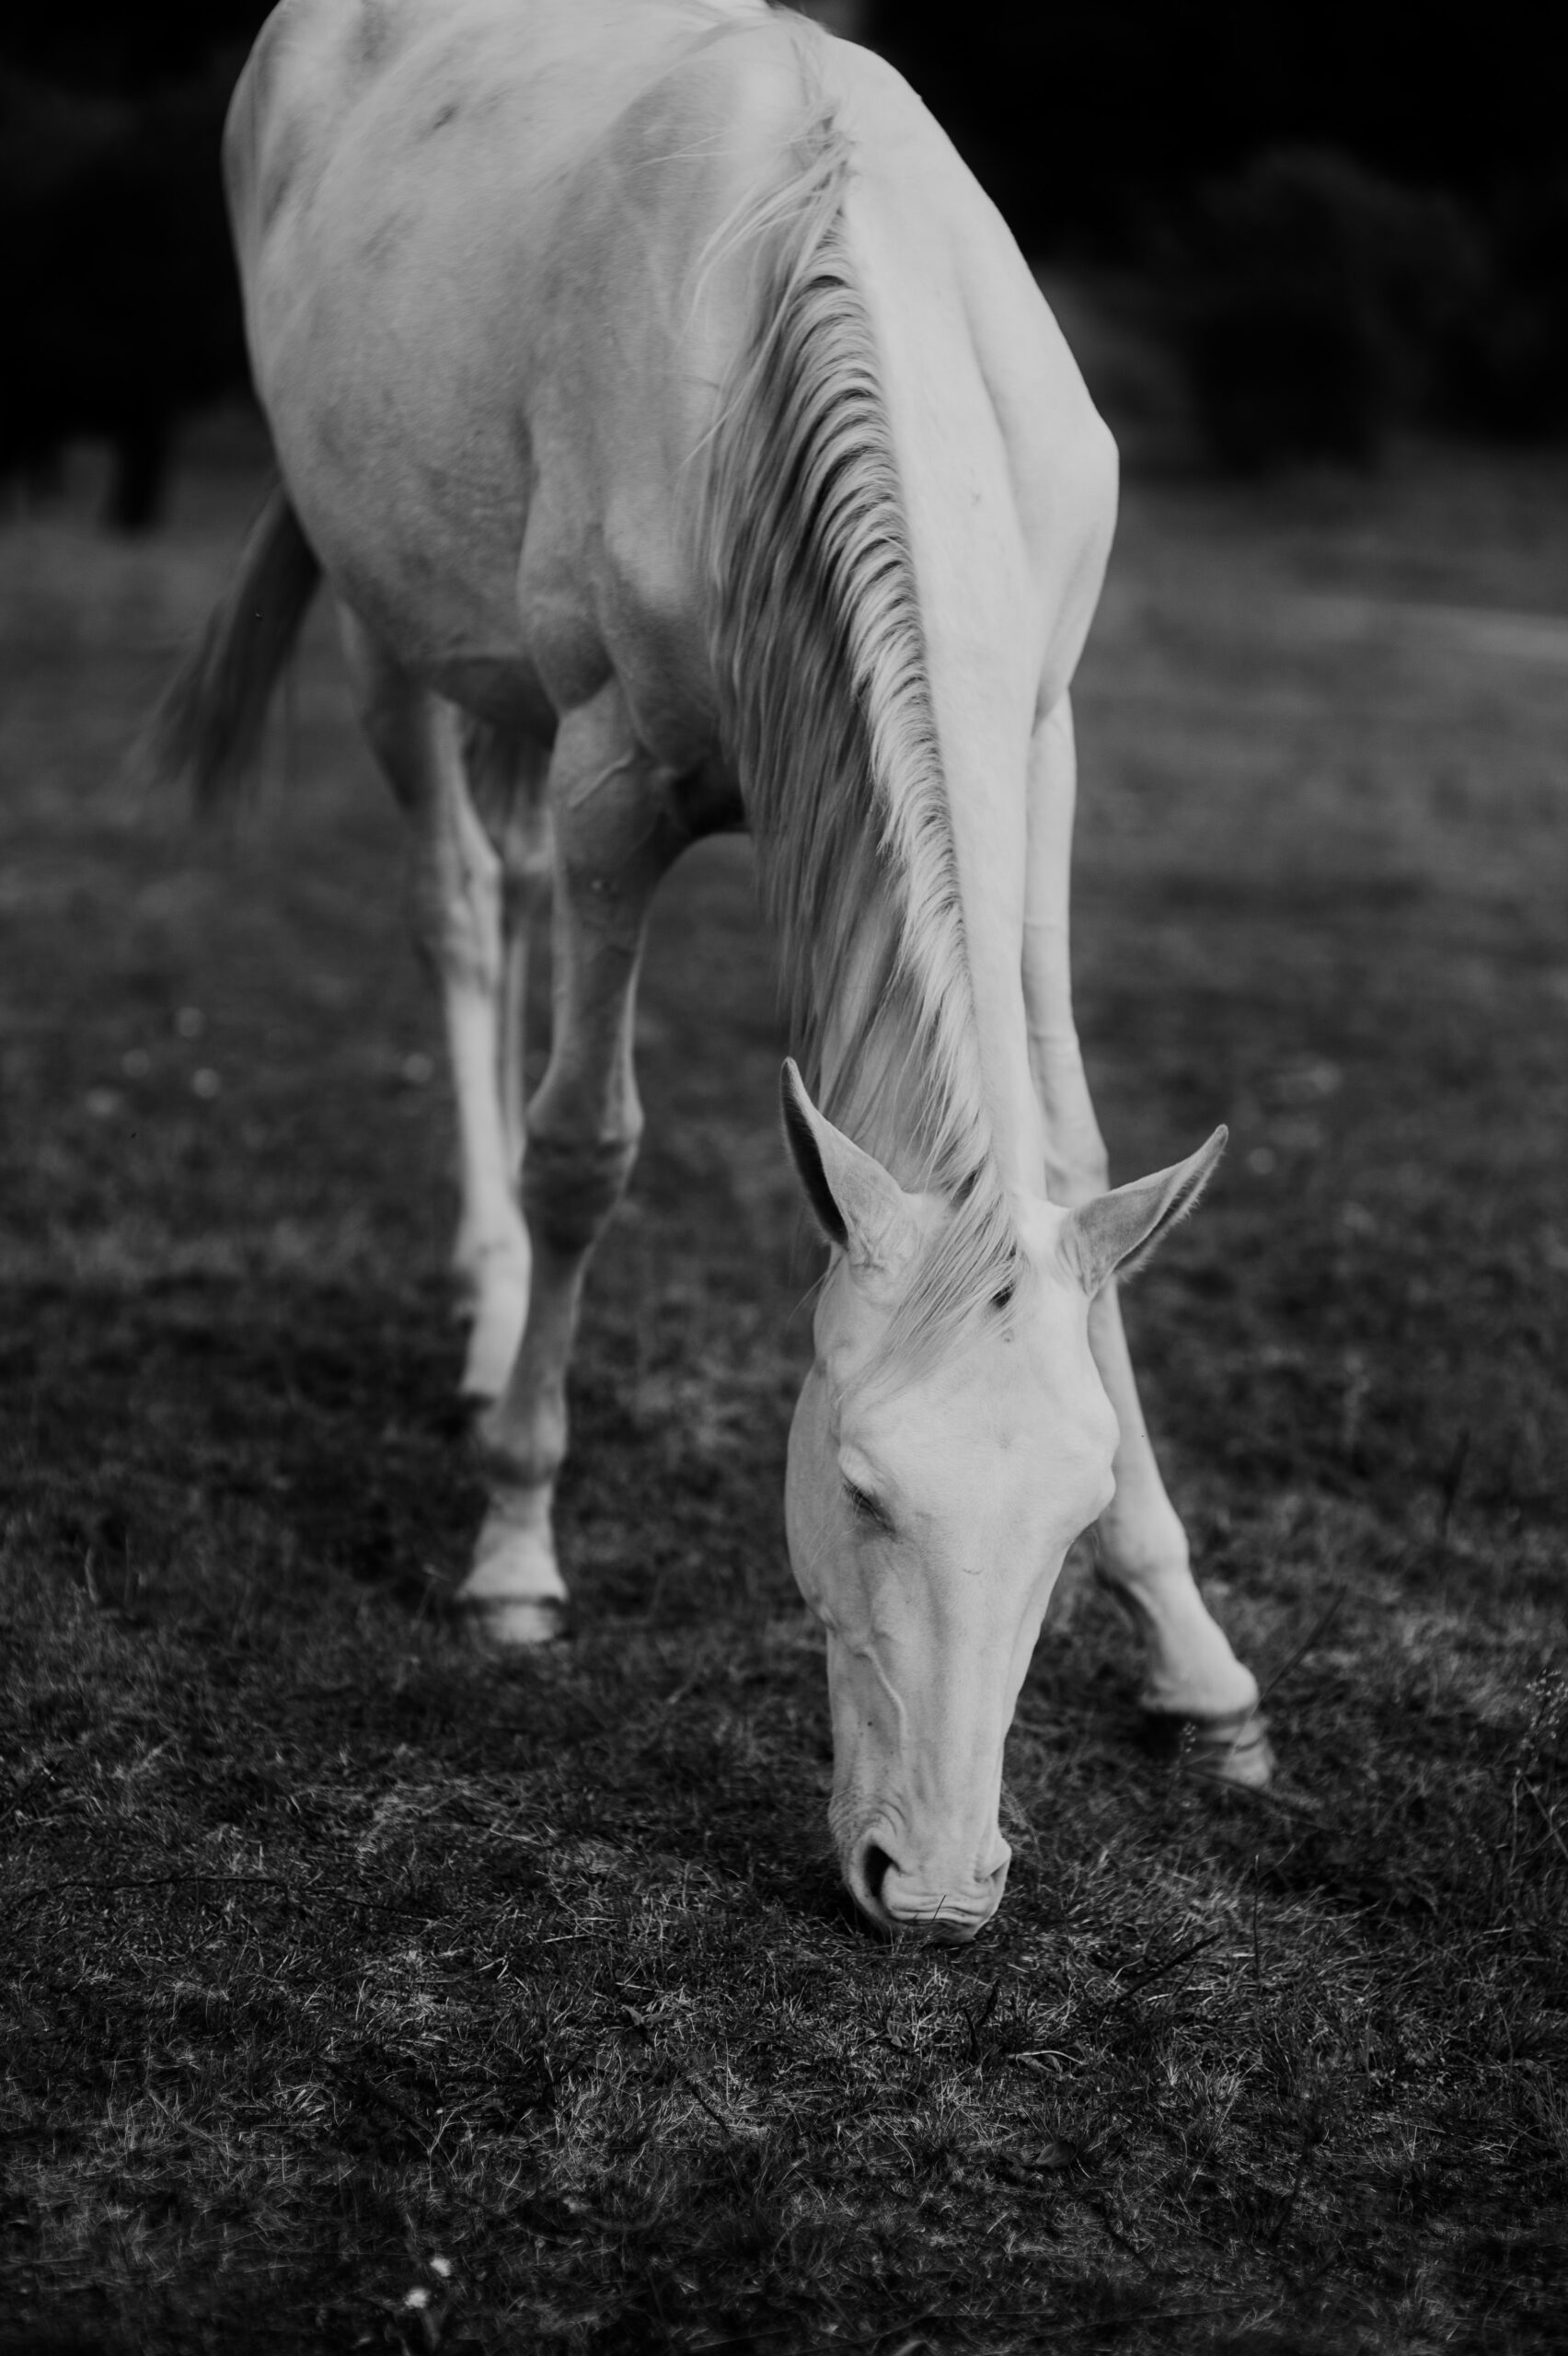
(866,1509)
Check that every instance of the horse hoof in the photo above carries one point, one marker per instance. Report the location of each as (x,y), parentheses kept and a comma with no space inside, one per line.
(499,1624)
(1234,1751)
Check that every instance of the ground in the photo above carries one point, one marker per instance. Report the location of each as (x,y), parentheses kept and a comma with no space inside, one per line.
(359,1992)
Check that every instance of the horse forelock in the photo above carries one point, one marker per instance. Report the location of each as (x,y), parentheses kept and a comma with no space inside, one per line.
(820,659)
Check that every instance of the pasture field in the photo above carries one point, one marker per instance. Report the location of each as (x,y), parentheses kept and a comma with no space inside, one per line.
(361,1993)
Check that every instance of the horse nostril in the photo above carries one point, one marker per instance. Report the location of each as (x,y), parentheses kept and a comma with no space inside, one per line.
(875,1866)
(866,1869)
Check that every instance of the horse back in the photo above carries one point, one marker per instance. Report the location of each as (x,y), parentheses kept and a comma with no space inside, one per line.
(497,298)
(487,324)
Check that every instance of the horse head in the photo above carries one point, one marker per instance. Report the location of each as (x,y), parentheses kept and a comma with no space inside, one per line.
(930,1502)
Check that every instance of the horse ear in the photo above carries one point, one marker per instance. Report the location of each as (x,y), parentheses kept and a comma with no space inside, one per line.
(1119,1229)
(860,1209)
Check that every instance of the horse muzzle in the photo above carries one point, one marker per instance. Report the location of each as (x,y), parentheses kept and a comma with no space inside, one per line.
(946,1902)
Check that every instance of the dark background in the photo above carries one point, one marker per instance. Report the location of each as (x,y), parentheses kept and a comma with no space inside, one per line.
(1075,115)
(1343,216)
(1084,119)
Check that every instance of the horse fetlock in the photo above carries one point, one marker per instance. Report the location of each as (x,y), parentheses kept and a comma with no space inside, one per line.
(1232,1750)
(1201,1680)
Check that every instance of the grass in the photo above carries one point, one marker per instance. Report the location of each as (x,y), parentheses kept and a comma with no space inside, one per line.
(359,1992)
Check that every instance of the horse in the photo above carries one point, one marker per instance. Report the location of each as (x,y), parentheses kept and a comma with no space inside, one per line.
(687,447)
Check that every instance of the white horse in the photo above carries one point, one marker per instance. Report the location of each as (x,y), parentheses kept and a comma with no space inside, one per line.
(687,447)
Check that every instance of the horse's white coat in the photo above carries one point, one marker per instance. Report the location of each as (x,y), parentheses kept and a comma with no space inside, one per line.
(500,270)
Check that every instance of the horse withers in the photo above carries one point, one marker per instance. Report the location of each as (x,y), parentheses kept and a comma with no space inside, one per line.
(685,445)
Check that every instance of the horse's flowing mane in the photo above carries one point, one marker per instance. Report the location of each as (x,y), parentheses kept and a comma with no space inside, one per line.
(820,658)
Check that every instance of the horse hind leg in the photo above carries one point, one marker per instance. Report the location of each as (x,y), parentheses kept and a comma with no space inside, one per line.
(610,847)
(459,898)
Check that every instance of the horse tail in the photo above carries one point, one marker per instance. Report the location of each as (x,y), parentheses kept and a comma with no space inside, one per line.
(208,724)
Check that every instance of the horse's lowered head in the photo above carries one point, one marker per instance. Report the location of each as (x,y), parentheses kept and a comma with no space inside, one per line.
(931,1499)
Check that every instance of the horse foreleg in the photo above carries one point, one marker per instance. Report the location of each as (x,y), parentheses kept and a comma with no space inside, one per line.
(1192,1674)
(610,847)
(458,896)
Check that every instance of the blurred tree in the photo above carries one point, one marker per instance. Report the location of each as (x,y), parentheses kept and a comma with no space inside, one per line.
(104,47)
(1092,121)
(848,19)
(1314,301)
(1089,117)
(115,255)
(1511,364)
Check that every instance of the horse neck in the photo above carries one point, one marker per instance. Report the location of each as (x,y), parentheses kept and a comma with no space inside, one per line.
(875,705)
(982,666)
(882,1079)
(876,1078)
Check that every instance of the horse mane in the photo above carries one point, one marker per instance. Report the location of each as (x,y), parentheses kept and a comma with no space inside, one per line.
(820,659)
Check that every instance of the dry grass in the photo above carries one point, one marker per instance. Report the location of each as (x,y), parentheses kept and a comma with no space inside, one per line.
(333,1952)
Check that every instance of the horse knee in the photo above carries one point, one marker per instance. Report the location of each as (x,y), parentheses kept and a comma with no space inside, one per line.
(571,1182)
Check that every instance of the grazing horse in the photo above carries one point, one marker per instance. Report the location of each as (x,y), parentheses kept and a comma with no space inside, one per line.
(687,447)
